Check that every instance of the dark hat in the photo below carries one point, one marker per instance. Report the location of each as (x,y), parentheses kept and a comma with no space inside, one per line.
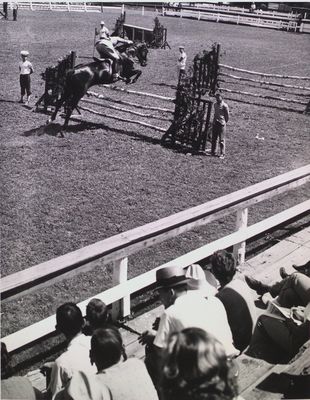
(170,276)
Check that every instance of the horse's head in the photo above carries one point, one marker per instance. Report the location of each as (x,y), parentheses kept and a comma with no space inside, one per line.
(141,51)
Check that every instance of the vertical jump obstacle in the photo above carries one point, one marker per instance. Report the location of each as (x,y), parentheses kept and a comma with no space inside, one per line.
(190,127)
(55,78)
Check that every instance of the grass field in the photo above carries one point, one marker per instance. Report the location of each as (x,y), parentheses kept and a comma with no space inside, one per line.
(105,177)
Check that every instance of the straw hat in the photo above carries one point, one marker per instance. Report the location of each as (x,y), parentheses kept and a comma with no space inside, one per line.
(199,280)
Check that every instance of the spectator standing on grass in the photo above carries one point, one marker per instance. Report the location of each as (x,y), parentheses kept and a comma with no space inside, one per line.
(236,298)
(181,63)
(221,117)
(15,8)
(14,387)
(70,322)
(197,368)
(25,70)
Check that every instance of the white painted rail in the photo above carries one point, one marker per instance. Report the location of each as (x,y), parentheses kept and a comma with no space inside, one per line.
(118,248)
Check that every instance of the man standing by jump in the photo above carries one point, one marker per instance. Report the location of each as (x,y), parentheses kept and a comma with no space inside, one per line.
(221,117)
(25,70)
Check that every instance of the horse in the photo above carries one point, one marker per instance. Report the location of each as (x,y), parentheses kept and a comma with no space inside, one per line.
(79,79)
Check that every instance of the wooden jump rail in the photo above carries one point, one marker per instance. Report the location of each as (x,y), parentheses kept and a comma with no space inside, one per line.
(117,248)
(129,103)
(264,74)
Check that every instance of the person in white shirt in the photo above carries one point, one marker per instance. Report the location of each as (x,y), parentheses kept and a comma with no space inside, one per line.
(76,357)
(183,309)
(181,64)
(105,48)
(25,70)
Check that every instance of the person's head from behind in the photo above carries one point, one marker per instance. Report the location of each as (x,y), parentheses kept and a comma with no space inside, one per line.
(223,266)
(6,370)
(106,348)
(69,319)
(96,314)
(172,283)
(196,367)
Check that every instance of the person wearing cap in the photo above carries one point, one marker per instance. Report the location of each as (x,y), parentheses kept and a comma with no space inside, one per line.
(221,117)
(104,32)
(236,298)
(25,70)
(183,309)
(15,9)
(181,64)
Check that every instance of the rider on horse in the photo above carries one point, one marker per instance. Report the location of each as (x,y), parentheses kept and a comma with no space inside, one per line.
(105,47)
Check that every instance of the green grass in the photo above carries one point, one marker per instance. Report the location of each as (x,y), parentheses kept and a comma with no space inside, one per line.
(106,177)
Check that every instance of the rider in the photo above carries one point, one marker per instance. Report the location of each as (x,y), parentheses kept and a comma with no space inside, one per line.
(105,48)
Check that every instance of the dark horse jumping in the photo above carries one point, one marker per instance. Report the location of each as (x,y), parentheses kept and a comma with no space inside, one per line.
(82,77)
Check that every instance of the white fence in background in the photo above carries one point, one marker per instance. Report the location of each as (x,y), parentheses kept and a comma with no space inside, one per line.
(118,248)
(82,6)
(288,22)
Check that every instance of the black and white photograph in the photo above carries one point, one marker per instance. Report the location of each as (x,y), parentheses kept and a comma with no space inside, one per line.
(155,208)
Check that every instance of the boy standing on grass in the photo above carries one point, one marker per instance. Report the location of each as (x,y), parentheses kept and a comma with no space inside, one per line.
(25,70)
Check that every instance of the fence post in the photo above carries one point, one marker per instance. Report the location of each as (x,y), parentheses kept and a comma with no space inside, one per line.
(31,8)
(123,9)
(241,223)
(68,5)
(142,10)
(85,8)
(198,15)
(122,307)
(218,18)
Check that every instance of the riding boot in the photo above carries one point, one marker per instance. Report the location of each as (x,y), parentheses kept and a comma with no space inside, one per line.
(115,71)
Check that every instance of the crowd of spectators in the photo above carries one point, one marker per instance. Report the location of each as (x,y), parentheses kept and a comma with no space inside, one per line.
(209,319)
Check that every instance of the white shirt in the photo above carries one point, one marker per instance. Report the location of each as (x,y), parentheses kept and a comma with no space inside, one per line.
(182,60)
(75,358)
(25,67)
(192,310)
(104,33)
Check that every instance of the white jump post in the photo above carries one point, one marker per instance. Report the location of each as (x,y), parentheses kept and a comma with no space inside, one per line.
(123,9)
(122,307)
(241,223)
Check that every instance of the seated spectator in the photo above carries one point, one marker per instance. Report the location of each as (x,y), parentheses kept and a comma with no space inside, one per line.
(294,290)
(304,269)
(97,316)
(236,297)
(14,387)
(117,380)
(76,357)
(197,368)
(183,309)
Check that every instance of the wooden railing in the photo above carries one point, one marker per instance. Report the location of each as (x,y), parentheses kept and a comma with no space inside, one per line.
(117,249)
(80,6)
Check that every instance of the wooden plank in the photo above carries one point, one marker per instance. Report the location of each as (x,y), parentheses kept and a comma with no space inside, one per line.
(44,327)
(138,27)
(129,242)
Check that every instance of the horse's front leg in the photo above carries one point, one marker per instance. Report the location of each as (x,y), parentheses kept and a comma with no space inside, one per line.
(137,75)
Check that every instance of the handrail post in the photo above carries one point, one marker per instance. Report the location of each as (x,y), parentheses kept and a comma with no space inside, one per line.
(120,308)
(241,223)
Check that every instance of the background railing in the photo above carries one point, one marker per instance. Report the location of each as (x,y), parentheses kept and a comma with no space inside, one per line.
(119,247)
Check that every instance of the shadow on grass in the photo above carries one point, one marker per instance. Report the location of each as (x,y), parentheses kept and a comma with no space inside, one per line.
(8,101)
(57,130)
(165,85)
